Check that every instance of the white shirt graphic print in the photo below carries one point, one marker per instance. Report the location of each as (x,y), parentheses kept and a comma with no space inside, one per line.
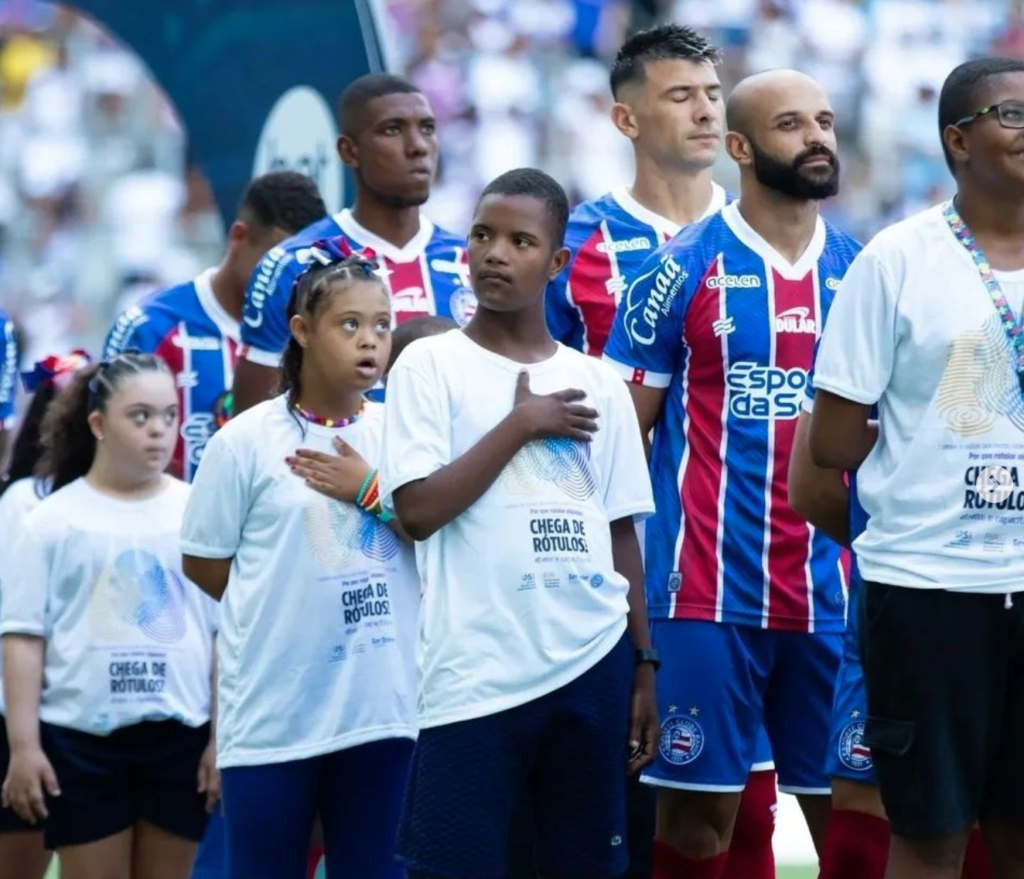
(521,595)
(318,622)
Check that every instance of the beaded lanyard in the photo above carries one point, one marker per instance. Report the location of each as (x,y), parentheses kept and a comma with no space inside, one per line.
(1012,326)
(312,418)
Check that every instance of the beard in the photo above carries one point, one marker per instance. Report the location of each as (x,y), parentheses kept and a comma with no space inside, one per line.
(791,179)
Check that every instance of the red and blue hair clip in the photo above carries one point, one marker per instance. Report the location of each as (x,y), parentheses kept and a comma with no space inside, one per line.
(56,370)
(333,251)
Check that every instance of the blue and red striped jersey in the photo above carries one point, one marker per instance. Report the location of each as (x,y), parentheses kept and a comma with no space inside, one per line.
(608,239)
(430,275)
(191,331)
(10,359)
(728,327)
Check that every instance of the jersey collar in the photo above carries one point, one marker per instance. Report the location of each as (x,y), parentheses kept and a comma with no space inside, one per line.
(365,238)
(790,271)
(663,225)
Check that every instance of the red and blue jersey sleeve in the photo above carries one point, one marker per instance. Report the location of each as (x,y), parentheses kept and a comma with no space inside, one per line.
(646,342)
(135,329)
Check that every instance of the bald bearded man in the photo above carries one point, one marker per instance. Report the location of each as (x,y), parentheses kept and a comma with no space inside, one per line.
(716,336)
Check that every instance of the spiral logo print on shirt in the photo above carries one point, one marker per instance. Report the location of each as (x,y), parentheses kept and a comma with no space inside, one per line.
(979,384)
(138,593)
(552,461)
(337,533)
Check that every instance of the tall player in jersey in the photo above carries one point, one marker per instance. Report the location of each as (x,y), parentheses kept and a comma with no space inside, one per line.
(389,143)
(716,335)
(668,102)
(194,326)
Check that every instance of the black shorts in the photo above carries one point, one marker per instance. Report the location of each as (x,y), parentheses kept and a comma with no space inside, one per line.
(9,820)
(944,673)
(145,772)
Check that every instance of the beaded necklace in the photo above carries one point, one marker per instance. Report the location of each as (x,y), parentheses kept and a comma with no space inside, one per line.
(313,418)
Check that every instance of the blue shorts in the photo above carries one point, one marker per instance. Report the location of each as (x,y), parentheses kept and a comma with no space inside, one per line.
(565,751)
(720,684)
(211,859)
(269,812)
(848,756)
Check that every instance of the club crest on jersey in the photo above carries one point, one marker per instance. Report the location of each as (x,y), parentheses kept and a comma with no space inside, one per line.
(462,305)
(853,753)
(796,320)
(650,297)
(682,740)
(765,392)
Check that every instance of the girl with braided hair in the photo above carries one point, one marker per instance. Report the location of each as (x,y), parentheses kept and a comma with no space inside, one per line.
(318,591)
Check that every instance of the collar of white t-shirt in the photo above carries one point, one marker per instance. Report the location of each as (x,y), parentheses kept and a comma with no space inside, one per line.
(663,225)
(790,271)
(228,326)
(358,233)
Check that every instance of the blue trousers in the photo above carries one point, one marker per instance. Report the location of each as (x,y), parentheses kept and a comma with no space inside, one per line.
(357,792)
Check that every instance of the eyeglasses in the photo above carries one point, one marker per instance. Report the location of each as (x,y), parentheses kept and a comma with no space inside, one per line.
(1010,113)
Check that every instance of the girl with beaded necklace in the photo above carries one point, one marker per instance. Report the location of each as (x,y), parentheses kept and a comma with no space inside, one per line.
(319,595)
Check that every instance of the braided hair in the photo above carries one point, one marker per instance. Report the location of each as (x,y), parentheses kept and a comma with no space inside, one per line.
(330,263)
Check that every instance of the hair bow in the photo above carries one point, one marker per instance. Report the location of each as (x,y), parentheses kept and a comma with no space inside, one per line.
(54,369)
(328,251)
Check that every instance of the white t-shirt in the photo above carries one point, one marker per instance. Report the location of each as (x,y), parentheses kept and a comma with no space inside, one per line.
(913,328)
(16,503)
(128,637)
(520,593)
(315,650)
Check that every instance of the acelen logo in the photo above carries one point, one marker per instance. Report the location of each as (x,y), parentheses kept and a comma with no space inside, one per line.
(300,135)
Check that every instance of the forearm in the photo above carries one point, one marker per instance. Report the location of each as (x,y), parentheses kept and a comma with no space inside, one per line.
(23,684)
(427,505)
(827,507)
(841,433)
(819,496)
(210,575)
(213,690)
(629,563)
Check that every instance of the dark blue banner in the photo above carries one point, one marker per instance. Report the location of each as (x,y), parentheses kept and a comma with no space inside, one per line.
(255,82)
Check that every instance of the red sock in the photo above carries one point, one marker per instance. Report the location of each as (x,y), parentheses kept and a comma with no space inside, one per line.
(750,852)
(856,846)
(976,862)
(669,864)
(315,856)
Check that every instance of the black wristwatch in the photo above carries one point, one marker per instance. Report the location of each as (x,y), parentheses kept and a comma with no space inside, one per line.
(651,657)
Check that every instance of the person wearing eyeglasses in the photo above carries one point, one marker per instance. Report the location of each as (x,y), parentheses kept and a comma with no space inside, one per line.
(927,326)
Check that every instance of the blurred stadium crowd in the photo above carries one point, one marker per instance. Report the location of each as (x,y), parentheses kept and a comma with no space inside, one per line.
(99,203)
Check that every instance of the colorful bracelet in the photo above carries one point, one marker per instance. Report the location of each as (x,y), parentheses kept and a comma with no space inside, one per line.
(369,499)
(371,475)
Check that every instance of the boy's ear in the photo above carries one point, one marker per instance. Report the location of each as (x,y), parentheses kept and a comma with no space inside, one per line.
(558,262)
